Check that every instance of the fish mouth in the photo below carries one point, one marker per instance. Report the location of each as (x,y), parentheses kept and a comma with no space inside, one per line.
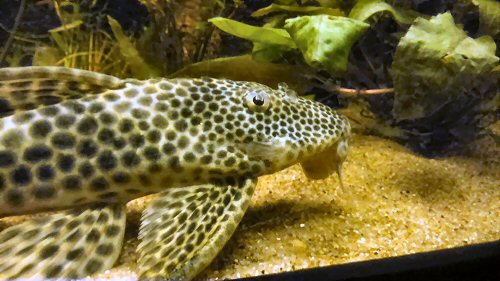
(322,164)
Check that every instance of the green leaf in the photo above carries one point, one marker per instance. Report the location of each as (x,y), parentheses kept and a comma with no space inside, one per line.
(365,9)
(309,10)
(244,68)
(139,68)
(268,53)
(286,2)
(15,58)
(330,3)
(489,16)
(264,35)
(61,41)
(68,26)
(325,41)
(46,56)
(68,12)
(436,64)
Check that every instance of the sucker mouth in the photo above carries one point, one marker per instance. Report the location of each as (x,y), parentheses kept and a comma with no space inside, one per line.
(321,164)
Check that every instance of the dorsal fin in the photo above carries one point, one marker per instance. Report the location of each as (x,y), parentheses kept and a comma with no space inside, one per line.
(25,88)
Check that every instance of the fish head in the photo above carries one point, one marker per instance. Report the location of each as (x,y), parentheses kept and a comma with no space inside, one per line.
(280,129)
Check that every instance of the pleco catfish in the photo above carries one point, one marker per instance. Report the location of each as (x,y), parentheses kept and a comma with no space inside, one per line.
(89,143)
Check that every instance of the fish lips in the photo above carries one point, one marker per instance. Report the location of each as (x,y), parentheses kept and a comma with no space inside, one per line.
(322,164)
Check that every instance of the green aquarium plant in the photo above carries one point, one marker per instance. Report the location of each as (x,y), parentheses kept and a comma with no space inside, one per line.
(424,74)
(325,41)
(78,43)
(433,82)
(437,64)
(323,35)
(93,35)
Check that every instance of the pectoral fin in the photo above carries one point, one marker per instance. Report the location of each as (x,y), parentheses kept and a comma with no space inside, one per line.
(184,229)
(64,245)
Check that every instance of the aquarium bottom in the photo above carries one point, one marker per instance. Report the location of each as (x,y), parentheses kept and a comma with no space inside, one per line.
(479,262)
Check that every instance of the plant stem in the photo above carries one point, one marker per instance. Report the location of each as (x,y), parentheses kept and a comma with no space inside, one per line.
(13,31)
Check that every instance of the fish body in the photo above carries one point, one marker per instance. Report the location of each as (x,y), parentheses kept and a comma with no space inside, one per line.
(88,142)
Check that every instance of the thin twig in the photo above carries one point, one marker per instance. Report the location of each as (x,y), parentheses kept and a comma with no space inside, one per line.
(207,36)
(354,92)
(200,52)
(13,31)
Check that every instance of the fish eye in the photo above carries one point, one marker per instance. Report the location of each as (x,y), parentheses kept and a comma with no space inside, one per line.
(258,101)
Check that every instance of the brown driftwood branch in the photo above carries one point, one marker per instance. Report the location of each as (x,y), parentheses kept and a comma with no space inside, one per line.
(354,92)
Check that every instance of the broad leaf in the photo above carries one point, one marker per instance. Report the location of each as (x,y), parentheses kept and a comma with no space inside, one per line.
(308,10)
(489,16)
(45,56)
(436,64)
(330,3)
(264,35)
(365,9)
(139,68)
(271,52)
(268,53)
(247,69)
(325,41)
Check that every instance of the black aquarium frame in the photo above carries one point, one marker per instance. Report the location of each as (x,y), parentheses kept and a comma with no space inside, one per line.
(479,262)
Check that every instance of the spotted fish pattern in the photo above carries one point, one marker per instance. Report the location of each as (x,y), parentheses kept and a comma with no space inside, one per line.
(89,143)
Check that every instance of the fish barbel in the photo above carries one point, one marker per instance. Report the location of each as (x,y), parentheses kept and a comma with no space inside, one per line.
(88,143)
